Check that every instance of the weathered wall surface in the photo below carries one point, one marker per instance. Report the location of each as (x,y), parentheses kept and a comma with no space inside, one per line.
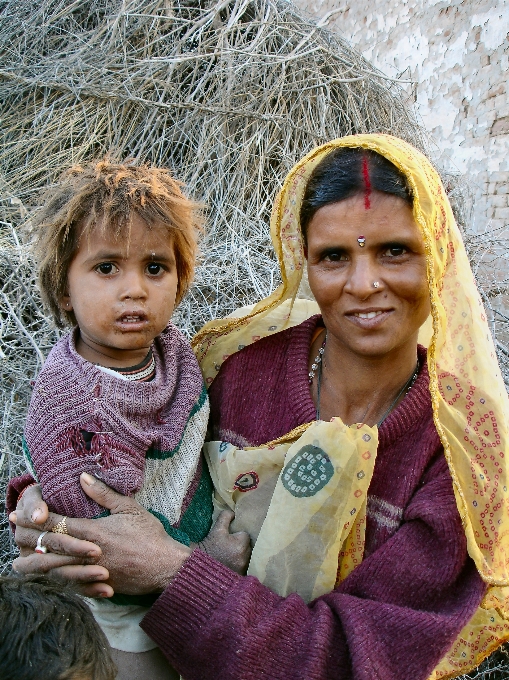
(457,54)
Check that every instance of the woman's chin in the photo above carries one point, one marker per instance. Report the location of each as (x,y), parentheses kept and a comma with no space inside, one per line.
(379,347)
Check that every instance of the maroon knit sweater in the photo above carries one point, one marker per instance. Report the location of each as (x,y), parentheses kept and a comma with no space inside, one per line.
(395,615)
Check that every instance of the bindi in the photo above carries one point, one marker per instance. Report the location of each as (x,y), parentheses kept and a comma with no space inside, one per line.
(367,183)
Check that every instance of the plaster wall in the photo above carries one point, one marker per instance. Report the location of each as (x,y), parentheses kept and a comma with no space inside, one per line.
(457,56)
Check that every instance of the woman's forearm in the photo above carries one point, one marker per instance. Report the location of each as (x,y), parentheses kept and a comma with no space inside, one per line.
(213,623)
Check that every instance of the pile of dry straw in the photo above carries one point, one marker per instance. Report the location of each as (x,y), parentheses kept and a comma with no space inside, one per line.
(228,94)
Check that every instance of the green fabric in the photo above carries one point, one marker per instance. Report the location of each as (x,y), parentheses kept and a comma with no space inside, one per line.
(28,459)
(194,525)
(177,534)
(197,519)
(156,454)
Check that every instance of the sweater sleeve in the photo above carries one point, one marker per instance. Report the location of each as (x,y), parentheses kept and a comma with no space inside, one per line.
(394,617)
(15,488)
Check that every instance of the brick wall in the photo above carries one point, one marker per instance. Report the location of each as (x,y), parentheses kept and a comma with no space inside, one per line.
(457,55)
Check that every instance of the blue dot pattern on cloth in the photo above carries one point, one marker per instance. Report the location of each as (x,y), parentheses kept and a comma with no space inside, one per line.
(307,472)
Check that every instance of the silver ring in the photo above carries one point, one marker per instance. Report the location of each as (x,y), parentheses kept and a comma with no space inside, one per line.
(376,284)
(40,548)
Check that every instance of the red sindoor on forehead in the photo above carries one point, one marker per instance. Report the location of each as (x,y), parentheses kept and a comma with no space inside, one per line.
(367,183)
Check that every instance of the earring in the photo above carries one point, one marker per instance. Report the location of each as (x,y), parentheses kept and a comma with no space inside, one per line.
(361,241)
(376,284)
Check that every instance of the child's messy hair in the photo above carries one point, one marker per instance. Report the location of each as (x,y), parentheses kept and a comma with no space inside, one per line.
(49,632)
(108,192)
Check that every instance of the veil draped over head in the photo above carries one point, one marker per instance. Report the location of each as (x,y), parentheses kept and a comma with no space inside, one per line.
(469,399)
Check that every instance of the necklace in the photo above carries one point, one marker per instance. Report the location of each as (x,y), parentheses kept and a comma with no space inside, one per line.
(317,361)
(405,389)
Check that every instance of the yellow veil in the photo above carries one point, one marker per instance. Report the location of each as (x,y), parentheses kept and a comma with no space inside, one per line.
(470,403)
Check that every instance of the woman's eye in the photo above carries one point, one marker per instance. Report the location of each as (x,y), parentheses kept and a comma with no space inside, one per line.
(335,257)
(395,251)
(154,269)
(106,268)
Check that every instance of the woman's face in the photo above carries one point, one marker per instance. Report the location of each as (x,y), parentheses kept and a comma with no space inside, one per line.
(367,320)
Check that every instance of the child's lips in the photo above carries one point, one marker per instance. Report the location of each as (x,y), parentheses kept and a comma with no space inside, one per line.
(132,321)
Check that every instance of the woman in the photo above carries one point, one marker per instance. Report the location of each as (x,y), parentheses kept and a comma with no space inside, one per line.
(382,251)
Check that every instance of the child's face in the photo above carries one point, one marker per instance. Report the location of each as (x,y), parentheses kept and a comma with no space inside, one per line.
(122,298)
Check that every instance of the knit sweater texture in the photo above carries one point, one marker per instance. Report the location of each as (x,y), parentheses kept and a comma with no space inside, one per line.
(142,438)
(394,616)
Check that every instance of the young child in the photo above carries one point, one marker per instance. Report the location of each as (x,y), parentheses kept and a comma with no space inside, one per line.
(49,632)
(121,396)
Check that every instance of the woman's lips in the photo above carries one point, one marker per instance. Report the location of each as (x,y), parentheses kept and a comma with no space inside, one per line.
(369,318)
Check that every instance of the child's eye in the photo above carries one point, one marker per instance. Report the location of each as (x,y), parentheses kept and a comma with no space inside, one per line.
(106,268)
(154,269)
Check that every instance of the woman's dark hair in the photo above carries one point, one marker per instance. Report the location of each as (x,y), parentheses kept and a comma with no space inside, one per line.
(347,172)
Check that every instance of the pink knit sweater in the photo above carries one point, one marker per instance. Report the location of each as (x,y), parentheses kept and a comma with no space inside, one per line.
(127,422)
(398,612)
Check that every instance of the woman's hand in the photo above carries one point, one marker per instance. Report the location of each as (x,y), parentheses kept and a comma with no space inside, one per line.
(127,552)
(129,549)
(32,511)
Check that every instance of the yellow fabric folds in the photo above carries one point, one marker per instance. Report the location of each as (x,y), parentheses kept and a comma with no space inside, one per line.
(299,503)
(470,403)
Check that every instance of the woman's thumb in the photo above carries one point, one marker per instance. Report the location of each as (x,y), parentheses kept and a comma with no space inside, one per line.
(106,497)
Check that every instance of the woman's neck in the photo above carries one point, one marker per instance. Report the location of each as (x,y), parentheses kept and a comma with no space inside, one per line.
(360,388)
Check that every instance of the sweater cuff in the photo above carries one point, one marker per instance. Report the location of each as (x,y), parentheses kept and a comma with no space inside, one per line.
(15,488)
(198,589)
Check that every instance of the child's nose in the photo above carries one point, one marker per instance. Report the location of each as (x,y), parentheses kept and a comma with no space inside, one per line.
(133,287)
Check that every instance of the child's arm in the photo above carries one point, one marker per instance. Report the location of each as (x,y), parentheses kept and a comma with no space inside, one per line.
(58,462)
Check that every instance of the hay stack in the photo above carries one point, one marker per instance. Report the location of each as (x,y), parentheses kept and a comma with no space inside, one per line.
(227,94)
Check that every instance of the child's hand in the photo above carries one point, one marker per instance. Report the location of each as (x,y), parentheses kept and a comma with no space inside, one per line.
(233,550)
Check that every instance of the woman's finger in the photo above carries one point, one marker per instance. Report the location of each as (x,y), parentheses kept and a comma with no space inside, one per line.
(42,564)
(77,529)
(57,543)
(82,529)
(84,575)
(107,497)
(31,508)
(95,590)
(50,521)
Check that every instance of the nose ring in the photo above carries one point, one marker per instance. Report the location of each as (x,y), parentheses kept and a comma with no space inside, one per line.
(376,284)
